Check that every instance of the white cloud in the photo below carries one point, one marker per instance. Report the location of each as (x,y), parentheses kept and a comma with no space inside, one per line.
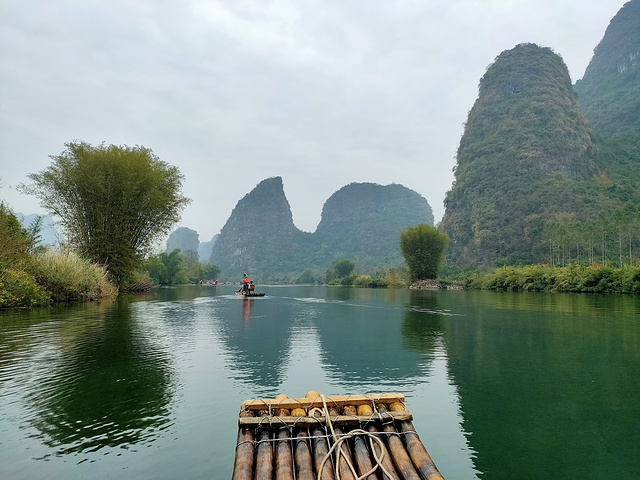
(322,93)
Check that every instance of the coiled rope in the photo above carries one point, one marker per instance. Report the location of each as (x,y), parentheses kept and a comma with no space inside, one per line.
(341,455)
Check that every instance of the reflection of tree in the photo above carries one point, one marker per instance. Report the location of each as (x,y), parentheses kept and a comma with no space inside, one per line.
(109,386)
(372,342)
(423,323)
(549,392)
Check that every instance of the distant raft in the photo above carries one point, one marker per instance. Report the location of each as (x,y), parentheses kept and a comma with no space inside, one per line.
(249,294)
(330,438)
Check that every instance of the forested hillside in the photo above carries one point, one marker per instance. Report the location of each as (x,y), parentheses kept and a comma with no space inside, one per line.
(609,92)
(526,155)
(361,222)
(260,236)
(546,173)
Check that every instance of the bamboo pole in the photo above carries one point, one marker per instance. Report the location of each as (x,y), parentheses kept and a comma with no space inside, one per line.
(321,450)
(317,402)
(264,455)
(400,457)
(342,464)
(243,464)
(386,462)
(284,458)
(360,450)
(387,470)
(419,455)
(302,457)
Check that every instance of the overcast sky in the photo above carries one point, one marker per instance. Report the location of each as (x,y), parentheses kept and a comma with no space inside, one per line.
(321,92)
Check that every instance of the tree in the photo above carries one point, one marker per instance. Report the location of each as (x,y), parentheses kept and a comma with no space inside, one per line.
(113,201)
(423,249)
(340,268)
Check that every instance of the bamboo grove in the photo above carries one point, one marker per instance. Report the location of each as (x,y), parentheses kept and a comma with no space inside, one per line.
(610,239)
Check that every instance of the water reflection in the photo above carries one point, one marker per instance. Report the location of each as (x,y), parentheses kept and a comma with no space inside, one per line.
(364,338)
(257,336)
(424,324)
(102,383)
(361,342)
(543,384)
(548,377)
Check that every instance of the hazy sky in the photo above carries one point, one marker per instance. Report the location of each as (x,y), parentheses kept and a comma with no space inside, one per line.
(321,93)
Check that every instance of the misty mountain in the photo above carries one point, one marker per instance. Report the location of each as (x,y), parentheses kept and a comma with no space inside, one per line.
(184,239)
(49,236)
(609,92)
(205,248)
(360,222)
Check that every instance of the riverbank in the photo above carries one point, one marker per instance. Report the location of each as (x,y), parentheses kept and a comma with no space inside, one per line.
(437,285)
(53,277)
(571,278)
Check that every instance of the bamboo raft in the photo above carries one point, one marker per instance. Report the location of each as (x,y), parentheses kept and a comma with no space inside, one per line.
(330,438)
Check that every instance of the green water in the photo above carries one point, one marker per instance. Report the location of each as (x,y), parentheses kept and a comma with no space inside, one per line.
(501,385)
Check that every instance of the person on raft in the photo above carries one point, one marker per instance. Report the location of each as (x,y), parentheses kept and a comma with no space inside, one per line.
(245,283)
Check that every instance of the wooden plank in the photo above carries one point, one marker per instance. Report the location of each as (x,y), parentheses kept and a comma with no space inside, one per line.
(342,420)
(338,401)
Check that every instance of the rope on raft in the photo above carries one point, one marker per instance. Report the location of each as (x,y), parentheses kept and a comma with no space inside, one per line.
(338,438)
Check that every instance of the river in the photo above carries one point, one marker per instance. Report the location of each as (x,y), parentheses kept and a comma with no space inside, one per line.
(501,385)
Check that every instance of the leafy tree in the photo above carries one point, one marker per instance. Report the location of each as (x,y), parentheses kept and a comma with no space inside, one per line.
(16,242)
(113,201)
(174,268)
(423,249)
(340,268)
(210,271)
(18,287)
(305,277)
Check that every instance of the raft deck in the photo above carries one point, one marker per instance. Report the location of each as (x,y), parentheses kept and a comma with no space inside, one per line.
(329,438)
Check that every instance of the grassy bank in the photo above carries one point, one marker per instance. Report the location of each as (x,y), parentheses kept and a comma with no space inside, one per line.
(53,277)
(572,278)
(30,276)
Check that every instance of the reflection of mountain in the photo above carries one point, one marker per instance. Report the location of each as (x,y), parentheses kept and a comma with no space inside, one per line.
(362,341)
(549,392)
(257,334)
(106,386)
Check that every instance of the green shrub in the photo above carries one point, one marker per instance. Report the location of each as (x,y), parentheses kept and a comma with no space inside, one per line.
(362,281)
(572,278)
(19,289)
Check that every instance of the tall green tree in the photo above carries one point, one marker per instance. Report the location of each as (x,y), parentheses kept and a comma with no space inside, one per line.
(113,201)
(423,249)
(340,268)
